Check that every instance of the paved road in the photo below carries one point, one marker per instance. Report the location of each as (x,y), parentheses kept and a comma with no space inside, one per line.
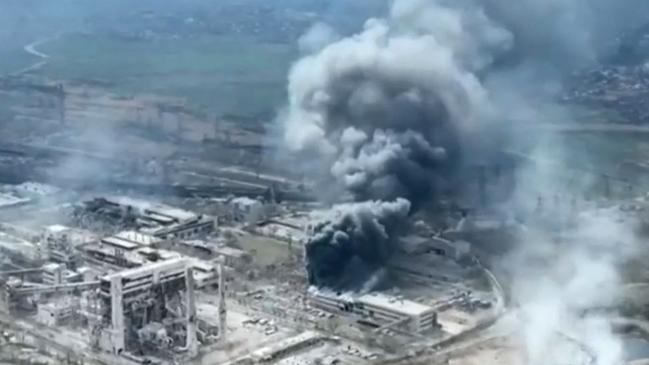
(43,58)
(593,128)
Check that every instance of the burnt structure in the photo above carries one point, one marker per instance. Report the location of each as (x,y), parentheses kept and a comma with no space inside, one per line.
(150,309)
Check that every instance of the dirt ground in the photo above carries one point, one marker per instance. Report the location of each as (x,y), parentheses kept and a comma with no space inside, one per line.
(266,251)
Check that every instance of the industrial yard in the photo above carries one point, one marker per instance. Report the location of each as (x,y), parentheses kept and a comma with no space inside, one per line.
(134,276)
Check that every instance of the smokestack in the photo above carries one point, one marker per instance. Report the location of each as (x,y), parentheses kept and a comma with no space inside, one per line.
(539,204)
(61,96)
(607,186)
(190,300)
(223,324)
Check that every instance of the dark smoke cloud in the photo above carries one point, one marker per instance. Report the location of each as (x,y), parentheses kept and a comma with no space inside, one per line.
(344,251)
(388,111)
(409,104)
(389,108)
(388,164)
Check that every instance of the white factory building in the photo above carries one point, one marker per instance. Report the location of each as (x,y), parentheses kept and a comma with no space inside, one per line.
(377,310)
(282,348)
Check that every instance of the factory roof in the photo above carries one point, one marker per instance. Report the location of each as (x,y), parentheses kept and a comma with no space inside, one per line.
(119,243)
(163,254)
(138,256)
(286,344)
(229,251)
(395,304)
(177,213)
(137,237)
(380,300)
(132,257)
(174,264)
(196,243)
(51,266)
(57,228)
(154,209)
(201,265)
(245,201)
(160,218)
(129,240)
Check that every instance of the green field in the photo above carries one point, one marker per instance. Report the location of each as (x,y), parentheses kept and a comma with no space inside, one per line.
(266,251)
(237,75)
(596,151)
(220,74)
(13,59)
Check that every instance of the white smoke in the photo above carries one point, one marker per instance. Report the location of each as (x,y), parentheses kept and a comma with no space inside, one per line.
(317,37)
(558,282)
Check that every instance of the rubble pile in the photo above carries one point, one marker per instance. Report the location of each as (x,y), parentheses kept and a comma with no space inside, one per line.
(99,216)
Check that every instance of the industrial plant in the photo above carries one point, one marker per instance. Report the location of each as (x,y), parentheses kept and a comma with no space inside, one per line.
(123,280)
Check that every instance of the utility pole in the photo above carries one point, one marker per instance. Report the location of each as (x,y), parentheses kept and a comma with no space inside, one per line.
(607,186)
(190,300)
(222,310)
(61,96)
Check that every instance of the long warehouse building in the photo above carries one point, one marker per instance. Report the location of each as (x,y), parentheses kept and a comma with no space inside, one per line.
(377,310)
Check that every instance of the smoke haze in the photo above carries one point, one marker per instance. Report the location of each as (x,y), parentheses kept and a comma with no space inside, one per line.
(556,281)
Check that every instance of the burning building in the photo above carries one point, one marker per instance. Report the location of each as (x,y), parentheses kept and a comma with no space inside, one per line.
(398,115)
(347,251)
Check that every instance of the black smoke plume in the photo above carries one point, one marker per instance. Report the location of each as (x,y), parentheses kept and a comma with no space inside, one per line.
(388,111)
(344,252)
(403,108)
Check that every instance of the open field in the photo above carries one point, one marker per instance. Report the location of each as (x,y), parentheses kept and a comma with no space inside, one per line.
(596,151)
(13,59)
(218,75)
(266,250)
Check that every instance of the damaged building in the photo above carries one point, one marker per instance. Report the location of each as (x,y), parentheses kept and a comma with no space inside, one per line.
(148,309)
(377,310)
(157,220)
